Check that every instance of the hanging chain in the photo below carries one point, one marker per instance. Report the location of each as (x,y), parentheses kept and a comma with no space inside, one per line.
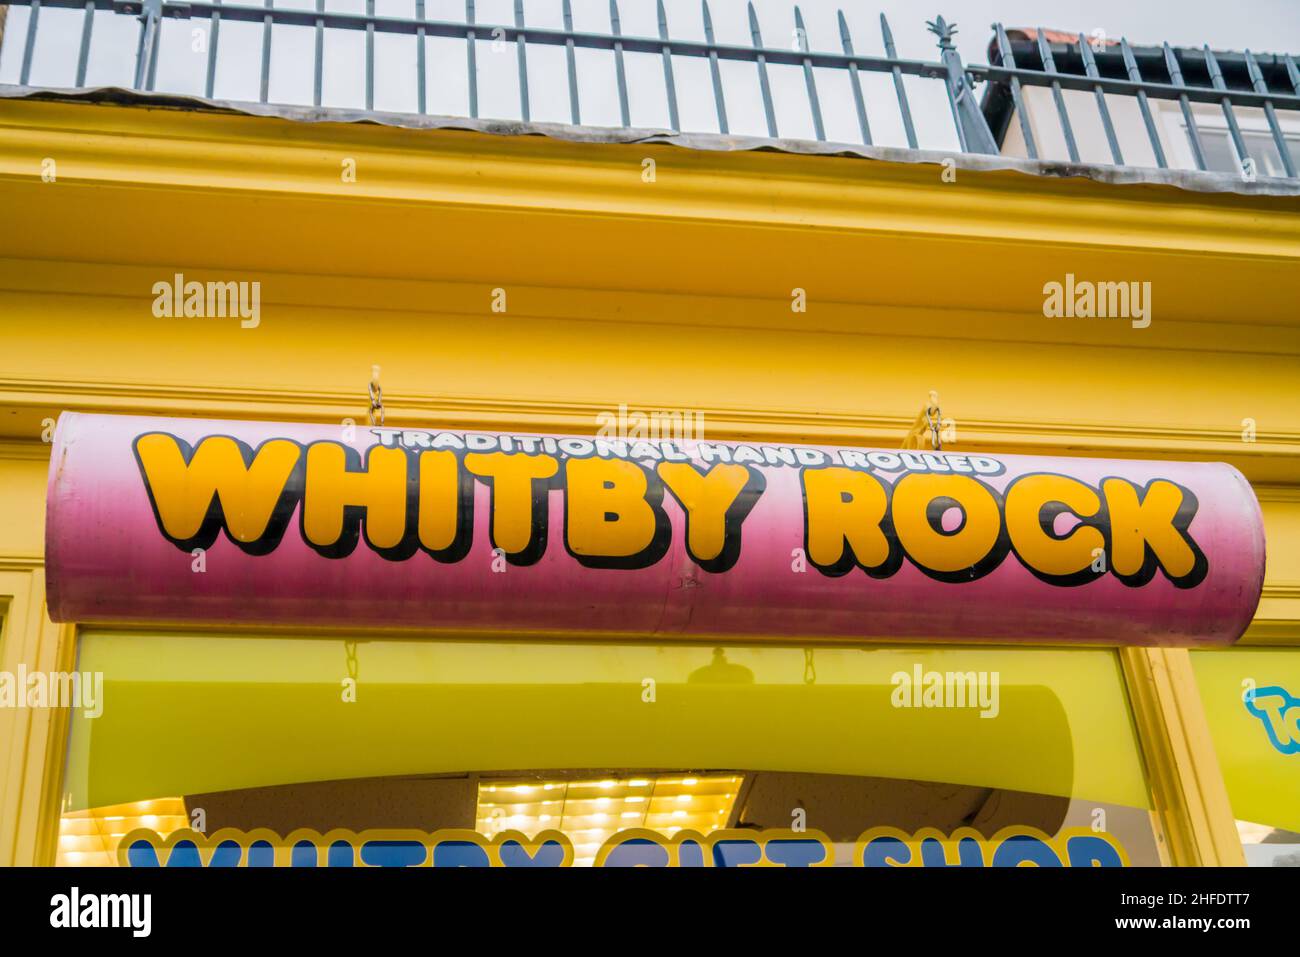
(376,416)
(809,667)
(376,398)
(350,652)
(934,418)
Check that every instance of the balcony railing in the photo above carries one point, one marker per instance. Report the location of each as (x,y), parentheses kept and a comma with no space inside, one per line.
(969,123)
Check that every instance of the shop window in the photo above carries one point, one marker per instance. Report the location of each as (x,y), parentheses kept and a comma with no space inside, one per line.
(1252,703)
(283,734)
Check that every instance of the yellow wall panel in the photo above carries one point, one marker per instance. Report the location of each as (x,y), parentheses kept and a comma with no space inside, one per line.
(674,295)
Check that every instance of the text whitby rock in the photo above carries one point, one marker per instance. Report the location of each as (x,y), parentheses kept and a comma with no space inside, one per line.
(414,493)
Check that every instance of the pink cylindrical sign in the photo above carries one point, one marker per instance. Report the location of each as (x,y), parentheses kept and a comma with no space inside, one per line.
(640,535)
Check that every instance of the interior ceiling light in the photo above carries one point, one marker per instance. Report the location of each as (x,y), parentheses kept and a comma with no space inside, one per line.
(89,838)
(589,812)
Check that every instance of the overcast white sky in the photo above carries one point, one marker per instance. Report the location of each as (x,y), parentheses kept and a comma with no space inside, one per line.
(1262,25)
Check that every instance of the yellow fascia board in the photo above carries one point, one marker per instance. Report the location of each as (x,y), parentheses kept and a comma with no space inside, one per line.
(893,259)
(236,191)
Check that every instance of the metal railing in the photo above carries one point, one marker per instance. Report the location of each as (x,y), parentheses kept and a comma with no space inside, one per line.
(1260,96)
(970,123)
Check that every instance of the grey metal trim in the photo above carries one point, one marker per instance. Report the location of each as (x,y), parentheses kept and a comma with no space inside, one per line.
(1189,180)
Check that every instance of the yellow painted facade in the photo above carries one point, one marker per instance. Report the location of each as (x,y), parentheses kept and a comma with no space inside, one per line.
(669,292)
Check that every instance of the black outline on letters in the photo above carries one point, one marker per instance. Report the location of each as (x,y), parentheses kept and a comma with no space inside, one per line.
(744,502)
(214,519)
(654,497)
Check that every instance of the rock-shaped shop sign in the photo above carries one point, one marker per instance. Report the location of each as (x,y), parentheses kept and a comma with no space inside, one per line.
(214,522)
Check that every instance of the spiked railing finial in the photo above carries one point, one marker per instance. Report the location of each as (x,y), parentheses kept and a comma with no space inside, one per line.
(943,30)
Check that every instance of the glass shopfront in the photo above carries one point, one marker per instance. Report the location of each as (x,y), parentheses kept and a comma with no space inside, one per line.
(1250,697)
(216,731)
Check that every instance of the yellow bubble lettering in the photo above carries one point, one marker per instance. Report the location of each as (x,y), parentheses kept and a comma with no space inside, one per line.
(845,510)
(519,482)
(614,517)
(1032,504)
(921,501)
(334,485)
(1151,531)
(446,500)
(252,498)
(715,503)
